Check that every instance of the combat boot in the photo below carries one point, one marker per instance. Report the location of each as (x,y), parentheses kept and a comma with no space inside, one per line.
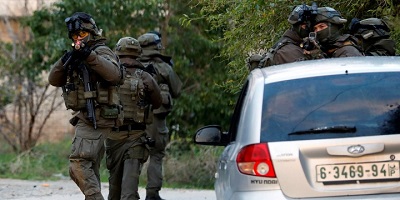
(96,196)
(156,197)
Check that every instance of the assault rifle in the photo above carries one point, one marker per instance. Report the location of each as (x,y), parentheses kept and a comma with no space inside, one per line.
(89,93)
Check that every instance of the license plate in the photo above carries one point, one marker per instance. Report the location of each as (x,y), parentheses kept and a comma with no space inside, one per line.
(358,171)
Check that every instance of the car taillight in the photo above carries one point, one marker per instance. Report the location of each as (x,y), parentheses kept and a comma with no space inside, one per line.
(255,160)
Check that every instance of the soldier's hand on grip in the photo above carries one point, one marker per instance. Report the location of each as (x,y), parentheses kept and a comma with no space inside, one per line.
(83,52)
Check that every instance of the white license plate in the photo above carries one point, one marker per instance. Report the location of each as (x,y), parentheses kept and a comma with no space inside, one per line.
(358,171)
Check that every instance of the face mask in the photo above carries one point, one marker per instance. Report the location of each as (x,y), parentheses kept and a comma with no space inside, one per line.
(323,35)
(329,35)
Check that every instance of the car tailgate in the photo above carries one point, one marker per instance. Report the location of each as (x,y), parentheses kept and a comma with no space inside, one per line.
(336,167)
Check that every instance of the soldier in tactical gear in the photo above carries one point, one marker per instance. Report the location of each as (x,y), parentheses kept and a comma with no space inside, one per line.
(374,36)
(289,47)
(89,75)
(333,43)
(170,85)
(126,146)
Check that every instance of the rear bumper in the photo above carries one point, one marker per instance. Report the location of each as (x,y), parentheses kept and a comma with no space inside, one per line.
(278,195)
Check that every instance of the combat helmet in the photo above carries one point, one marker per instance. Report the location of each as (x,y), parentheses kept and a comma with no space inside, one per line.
(328,14)
(369,28)
(128,46)
(302,13)
(150,41)
(82,21)
(374,36)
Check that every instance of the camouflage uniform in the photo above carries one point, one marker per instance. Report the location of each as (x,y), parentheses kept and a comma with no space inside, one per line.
(170,86)
(126,146)
(332,42)
(101,62)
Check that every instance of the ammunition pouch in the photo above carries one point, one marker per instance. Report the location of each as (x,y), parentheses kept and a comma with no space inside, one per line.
(107,95)
(110,112)
(74,96)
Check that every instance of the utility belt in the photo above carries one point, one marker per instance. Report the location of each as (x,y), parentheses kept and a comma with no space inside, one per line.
(130,127)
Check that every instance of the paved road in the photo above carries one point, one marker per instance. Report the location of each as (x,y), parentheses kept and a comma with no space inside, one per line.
(67,190)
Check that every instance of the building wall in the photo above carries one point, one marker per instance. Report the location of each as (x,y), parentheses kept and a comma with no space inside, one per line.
(10,13)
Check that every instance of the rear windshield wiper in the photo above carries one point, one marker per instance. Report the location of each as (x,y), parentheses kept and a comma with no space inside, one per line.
(331,129)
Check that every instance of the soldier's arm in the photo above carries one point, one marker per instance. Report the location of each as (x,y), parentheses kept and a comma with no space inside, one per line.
(347,51)
(152,90)
(172,79)
(103,61)
(175,84)
(57,76)
(288,54)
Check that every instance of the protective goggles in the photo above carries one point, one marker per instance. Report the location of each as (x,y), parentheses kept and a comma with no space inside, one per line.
(81,34)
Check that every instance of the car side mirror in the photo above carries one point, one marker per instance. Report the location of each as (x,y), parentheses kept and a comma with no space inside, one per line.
(211,135)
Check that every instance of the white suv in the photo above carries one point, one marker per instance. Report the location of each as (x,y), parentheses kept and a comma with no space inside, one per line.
(322,129)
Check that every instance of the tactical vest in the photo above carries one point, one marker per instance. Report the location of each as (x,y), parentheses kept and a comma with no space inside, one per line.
(132,94)
(105,96)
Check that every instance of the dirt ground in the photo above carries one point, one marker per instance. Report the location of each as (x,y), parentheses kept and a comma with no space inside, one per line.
(67,190)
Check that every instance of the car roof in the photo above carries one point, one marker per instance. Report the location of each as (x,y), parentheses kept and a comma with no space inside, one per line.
(332,66)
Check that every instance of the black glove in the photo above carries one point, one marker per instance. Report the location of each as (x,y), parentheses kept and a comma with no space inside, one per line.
(83,53)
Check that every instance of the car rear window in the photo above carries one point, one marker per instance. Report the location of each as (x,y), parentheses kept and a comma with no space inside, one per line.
(337,106)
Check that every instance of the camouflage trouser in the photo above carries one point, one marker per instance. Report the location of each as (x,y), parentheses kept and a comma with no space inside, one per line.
(84,162)
(158,130)
(125,158)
